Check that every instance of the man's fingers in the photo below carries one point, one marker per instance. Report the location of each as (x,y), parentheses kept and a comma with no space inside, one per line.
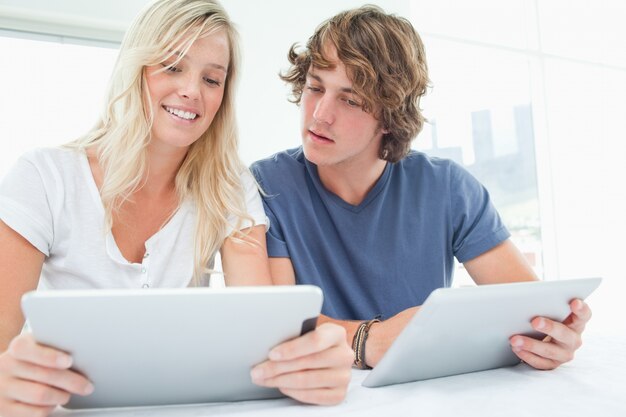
(322,338)
(561,341)
(581,309)
(314,368)
(311,379)
(337,357)
(547,350)
(558,333)
(25,348)
(581,314)
(536,361)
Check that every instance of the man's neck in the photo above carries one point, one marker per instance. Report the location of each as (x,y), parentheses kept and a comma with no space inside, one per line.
(353,183)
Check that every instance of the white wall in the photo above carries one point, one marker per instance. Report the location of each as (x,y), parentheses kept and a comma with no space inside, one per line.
(585,99)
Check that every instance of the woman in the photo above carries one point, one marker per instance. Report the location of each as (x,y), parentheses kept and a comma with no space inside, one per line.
(146,199)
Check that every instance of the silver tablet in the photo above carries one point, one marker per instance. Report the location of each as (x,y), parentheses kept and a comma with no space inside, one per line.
(170,346)
(460,330)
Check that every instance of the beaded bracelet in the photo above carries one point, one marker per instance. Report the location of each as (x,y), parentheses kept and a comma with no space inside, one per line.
(358,342)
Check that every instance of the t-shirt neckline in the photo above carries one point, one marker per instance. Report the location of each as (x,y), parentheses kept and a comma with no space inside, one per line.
(371,195)
(115,252)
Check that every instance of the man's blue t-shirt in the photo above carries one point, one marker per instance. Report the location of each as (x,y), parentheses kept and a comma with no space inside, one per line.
(393,249)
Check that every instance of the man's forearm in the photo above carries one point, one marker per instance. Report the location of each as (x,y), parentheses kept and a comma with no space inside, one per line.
(349,325)
(381,335)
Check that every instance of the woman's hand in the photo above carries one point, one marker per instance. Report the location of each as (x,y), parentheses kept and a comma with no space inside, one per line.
(34,379)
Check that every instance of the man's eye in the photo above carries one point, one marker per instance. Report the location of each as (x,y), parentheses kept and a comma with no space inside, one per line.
(352,103)
(313,89)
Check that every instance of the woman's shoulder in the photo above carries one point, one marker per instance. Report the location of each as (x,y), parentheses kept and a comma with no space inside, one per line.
(53,167)
(58,157)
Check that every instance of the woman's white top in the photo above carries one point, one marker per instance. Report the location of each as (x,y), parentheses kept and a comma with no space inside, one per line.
(51,199)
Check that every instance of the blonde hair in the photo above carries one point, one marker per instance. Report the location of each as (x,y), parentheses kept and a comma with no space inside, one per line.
(210,172)
(386,62)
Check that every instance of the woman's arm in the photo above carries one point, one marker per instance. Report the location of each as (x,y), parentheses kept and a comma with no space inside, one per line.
(244,259)
(33,378)
(20,267)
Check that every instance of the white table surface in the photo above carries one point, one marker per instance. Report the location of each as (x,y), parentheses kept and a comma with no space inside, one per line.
(594,384)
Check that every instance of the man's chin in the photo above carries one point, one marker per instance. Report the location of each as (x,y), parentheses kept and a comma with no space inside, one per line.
(312,155)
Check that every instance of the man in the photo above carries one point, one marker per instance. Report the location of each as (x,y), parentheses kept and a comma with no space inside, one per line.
(374,224)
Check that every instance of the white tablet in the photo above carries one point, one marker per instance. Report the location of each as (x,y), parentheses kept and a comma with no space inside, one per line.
(460,330)
(170,346)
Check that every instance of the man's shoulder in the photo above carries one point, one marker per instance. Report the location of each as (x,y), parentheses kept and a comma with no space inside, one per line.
(424,164)
(419,158)
(279,168)
(280,159)
(424,173)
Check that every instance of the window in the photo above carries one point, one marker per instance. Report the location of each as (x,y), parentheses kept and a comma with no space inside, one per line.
(51,93)
(547,77)
(480,114)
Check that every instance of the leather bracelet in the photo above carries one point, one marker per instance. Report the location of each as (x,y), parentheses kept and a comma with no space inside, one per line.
(358,343)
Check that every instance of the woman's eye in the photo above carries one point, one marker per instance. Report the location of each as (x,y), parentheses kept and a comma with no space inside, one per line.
(170,68)
(213,82)
(313,89)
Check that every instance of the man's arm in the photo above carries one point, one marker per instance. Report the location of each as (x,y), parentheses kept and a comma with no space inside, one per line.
(505,263)
(381,335)
(501,264)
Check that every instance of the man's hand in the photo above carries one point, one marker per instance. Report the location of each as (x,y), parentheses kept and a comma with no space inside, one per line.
(34,379)
(314,368)
(560,343)
(382,335)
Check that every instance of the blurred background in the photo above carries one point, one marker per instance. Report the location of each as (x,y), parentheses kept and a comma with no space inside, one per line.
(529,95)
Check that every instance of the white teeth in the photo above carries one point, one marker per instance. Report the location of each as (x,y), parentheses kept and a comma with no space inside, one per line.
(182,114)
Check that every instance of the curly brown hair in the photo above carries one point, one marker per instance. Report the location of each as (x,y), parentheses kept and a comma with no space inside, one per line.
(385,60)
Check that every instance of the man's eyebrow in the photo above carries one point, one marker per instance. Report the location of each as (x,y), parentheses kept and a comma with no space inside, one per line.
(210,64)
(317,78)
